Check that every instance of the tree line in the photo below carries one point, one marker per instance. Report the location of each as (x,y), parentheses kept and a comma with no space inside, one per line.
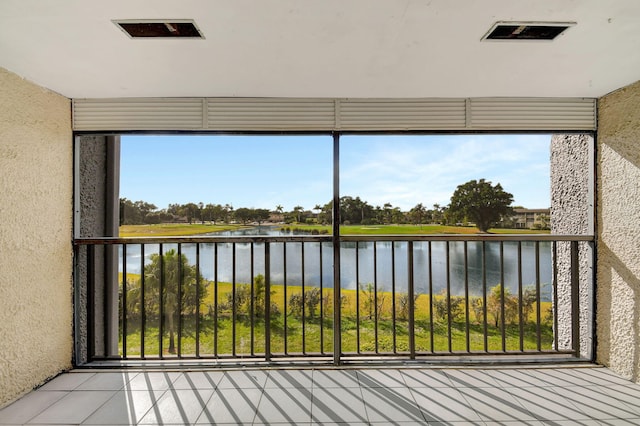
(478,202)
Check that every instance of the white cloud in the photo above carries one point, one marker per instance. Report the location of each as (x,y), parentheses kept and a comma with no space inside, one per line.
(409,170)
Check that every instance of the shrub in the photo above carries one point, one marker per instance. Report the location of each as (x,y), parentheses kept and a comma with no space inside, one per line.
(441,307)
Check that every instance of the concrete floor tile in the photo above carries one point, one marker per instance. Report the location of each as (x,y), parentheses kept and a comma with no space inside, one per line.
(419,378)
(107,381)
(153,380)
(290,405)
(289,379)
(383,378)
(547,405)
(338,405)
(198,380)
(29,406)
(74,408)
(331,378)
(243,379)
(231,405)
(391,405)
(516,378)
(67,381)
(444,405)
(495,404)
(124,408)
(178,406)
(596,402)
(470,378)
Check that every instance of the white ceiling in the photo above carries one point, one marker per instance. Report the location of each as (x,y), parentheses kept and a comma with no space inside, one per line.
(321,48)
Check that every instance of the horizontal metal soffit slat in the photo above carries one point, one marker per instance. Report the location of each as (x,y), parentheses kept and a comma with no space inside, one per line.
(289,114)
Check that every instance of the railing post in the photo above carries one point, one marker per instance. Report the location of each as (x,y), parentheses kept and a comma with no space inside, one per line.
(267,301)
(575,299)
(337,336)
(91,300)
(110,273)
(411,291)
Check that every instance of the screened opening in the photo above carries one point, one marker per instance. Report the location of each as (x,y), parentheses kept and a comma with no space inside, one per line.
(230,242)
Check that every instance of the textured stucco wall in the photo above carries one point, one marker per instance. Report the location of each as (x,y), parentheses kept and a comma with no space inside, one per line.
(618,231)
(36,164)
(572,214)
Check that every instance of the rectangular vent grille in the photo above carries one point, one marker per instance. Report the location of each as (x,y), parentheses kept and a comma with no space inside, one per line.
(543,31)
(160,29)
(290,114)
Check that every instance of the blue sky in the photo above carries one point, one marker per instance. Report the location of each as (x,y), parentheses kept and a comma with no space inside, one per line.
(266,171)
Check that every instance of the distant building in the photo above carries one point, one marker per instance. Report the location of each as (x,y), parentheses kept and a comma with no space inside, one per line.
(527,218)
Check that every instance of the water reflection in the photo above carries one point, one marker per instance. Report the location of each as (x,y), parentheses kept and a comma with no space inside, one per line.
(383,263)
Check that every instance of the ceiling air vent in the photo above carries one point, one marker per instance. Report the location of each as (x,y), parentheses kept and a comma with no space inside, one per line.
(176,28)
(527,30)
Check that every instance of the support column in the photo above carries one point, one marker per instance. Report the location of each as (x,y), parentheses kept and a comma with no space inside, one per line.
(572,213)
(97,215)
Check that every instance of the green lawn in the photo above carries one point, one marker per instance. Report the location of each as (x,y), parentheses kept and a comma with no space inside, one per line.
(173,229)
(217,334)
(184,229)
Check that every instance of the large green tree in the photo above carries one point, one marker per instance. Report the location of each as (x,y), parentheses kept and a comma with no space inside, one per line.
(480,202)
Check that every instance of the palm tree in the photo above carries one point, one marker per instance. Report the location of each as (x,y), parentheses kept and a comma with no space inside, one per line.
(297,211)
(180,283)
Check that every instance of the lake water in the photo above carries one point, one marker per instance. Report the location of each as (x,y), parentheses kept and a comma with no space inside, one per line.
(318,272)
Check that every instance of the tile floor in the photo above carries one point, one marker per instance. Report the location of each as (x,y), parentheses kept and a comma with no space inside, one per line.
(353,396)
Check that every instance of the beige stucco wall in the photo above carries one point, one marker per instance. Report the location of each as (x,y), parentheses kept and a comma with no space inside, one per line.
(618,231)
(36,164)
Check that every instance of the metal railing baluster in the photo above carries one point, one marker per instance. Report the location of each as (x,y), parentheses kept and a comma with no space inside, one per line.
(304,343)
(267,301)
(375,298)
(198,301)
(393,295)
(449,319)
(179,304)
(91,305)
(162,298)
(485,324)
(538,299)
(503,330)
(234,304)
(521,318)
(466,298)
(143,307)
(555,295)
(431,337)
(575,299)
(412,308)
(215,299)
(321,300)
(284,313)
(358,297)
(124,301)
(252,312)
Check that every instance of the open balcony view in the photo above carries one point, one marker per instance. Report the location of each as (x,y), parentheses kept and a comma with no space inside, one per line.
(319,213)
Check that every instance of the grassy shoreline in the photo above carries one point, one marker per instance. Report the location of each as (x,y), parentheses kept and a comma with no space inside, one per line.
(357,326)
(184,229)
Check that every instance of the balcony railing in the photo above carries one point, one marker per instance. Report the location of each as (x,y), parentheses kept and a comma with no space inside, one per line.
(291,296)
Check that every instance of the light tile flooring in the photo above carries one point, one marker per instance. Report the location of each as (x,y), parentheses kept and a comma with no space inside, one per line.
(353,396)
